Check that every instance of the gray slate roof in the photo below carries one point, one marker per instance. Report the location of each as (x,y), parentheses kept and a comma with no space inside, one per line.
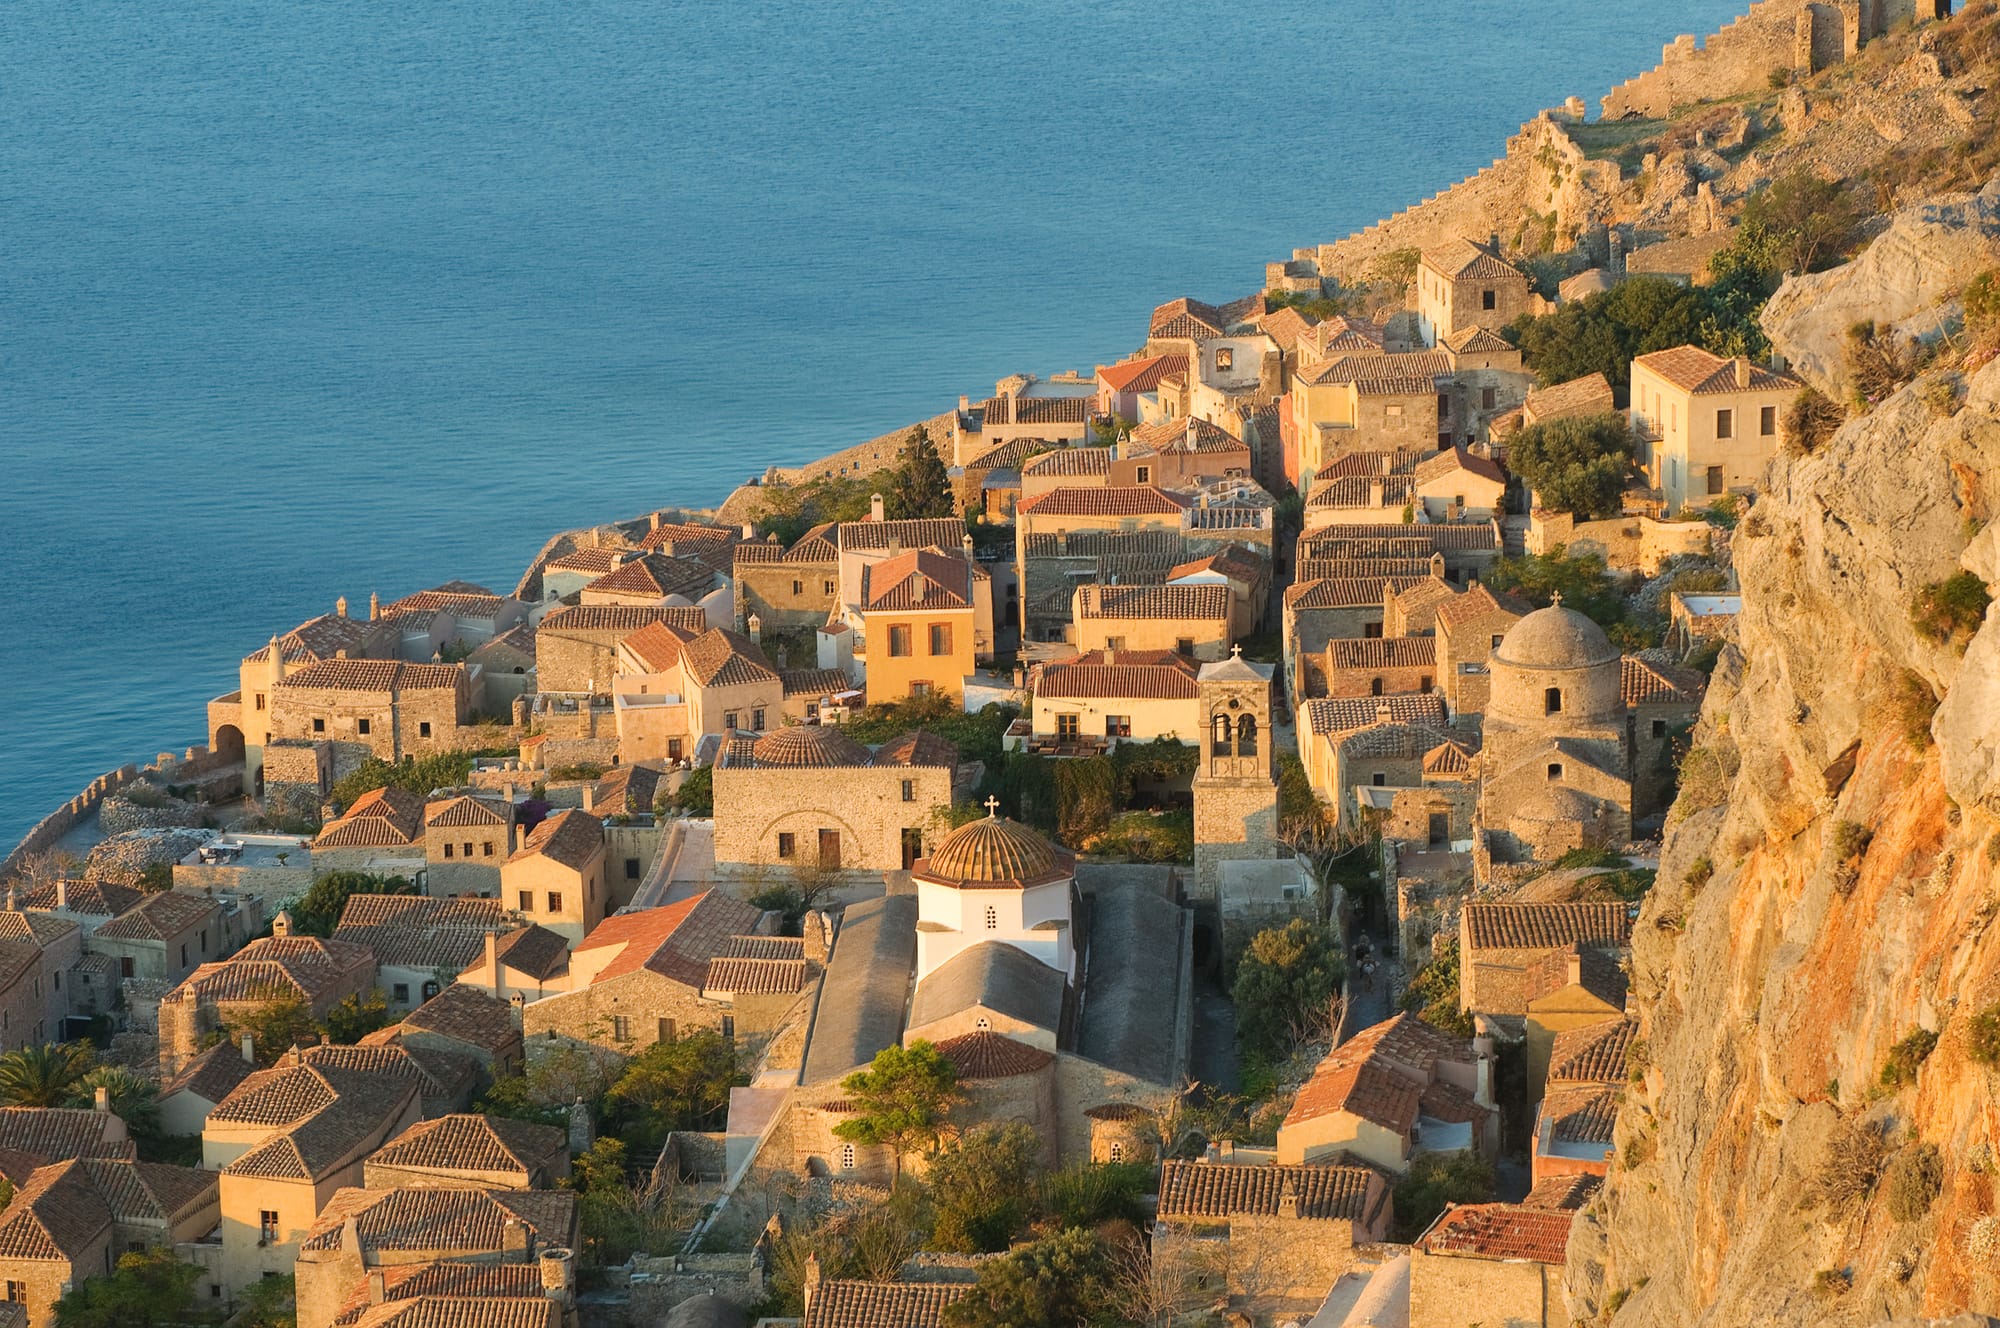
(1130,992)
(866,984)
(997,976)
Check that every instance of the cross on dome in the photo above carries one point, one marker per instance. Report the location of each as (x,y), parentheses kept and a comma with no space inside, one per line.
(1236,652)
(1556,599)
(992,808)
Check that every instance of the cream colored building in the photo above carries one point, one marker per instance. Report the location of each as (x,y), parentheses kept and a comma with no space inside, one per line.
(1708,426)
(1391,1091)
(1462,284)
(1193,621)
(556,878)
(809,796)
(1095,701)
(995,883)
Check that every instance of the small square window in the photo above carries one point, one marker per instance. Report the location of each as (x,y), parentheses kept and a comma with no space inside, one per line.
(402,990)
(555,901)
(920,688)
(757,720)
(486,849)
(361,726)
(788,844)
(1224,359)
(447,850)
(319,725)
(1659,728)
(1184,647)
(1555,770)
(1144,474)
(827,587)
(1117,726)
(1725,424)
(527,901)
(1489,299)
(631,869)
(1378,779)
(899,642)
(1767,422)
(621,1027)
(798,587)
(668,1031)
(732,719)
(125,966)
(423,728)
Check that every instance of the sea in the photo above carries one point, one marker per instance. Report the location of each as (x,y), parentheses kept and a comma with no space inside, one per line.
(308,300)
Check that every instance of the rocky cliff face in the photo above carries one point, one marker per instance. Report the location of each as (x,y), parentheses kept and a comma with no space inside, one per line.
(1830,885)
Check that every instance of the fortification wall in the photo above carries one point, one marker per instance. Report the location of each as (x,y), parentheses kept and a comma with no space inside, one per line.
(1478,205)
(1735,60)
(51,828)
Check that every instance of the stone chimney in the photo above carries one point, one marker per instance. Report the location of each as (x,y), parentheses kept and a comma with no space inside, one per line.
(809,1284)
(559,1276)
(374,606)
(964,403)
(249,1047)
(62,894)
(340,607)
(1378,492)
(1482,1051)
(1575,962)
(1742,371)
(350,1236)
(276,663)
(513,1236)
(653,521)
(1110,655)
(749,531)
(101,1099)
(282,924)
(1437,566)
(965,545)
(1383,715)
(1226,1152)
(921,586)
(756,626)
(1288,1203)
(1493,242)
(378,1286)
(875,507)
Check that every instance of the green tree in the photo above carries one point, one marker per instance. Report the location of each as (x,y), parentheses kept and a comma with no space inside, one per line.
(1284,988)
(269,1302)
(572,1072)
(1064,1281)
(694,797)
(150,1287)
(1577,465)
(134,1098)
(1812,221)
(682,1084)
(902,1101)
(1433,990)
(275,1026)
(356,1017)
(43,1076)
(983,1187)
(317,911)
(602,1167)
(1582,581)
(922,487)
(419,776)
(1435,1180)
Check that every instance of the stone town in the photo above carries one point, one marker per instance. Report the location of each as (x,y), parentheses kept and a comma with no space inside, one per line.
(1201,803)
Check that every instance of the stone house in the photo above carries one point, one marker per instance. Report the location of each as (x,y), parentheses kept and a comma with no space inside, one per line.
(1119,386)
(1390,1092)
(1366,401)
(319,973)
(788,587)
(917,625)
(165,937)
(431,1234)
(1328,724)
(37,950)
(520,966)
(1378,666)
(506,667)
(640,978)
(382,832)
(1487,383)
(652,578)
(189,1096)
(674,687)
(1248,576)
(1431,486)
(1587,1069)
(1234,372)
(466,838)
(463,1020)
(1070,509)
(455,613)
(1491,1263)
(576,648)
(1695,620)
(1470,628)
(89,904)
(285,1141)
(1579,398)
(1573,987)
(1052,566)
(1176,454)
(72,1220)
(1707,425)
(1500,943)
(1662,703)
(448,1292)
(1065,468)
(556,878)
(1193,621)
(1271,1238)
(1461,283)
(841,1303)
(420,943)
(1010,415)
(1363,765)
(468,1152)
(567,573)
(1321,609)
(242,719)
(1469,548)
(1093,702)
(779,804)
(373,707)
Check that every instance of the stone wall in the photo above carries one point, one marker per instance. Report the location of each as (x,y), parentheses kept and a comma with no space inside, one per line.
(51,828)
(1625,543)
(1772,35)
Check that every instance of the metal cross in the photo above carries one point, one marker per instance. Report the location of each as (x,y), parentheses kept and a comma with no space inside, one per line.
(992,808)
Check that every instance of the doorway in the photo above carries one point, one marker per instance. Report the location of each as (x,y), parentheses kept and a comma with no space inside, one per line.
(829,850)
(913,846)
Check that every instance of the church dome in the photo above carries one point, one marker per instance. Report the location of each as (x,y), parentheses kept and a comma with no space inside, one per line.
(1556,638)
(995,852)
(809,746)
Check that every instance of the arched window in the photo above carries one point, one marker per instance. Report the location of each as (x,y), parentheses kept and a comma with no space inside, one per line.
(992,918)
(1374,686)
(1552,701)
(1220,730)
(1246,735)
(847,1157)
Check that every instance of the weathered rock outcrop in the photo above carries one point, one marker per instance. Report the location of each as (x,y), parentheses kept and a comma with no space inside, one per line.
(1829,886)
(1919,263)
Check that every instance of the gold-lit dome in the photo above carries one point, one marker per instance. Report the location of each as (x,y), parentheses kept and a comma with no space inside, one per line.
(814,746)
(995,853)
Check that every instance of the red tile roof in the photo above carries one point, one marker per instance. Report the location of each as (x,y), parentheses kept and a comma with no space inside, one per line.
(1643,683)
(678,941)
(1116,500)
(918,748)
(570,837)
(623,618)
(1500,1231)
(1159,675)
(161,917)
(1381,652)
(844,1304)
(375,675)
(1460,257)
(989,1055)
(1349,714)
(1699,372)
(469,1143)
(1593,1054)
(1035,410)
(1509,926)
(921,579)
(1140,375)
(1181,603)
(1191,1189)
(1073,461)
(454,1222)
(1187,318)
(1348,592)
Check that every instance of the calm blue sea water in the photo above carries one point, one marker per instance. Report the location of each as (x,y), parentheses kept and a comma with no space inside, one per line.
(303,300)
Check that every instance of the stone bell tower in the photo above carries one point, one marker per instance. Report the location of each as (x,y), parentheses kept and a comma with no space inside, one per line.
(1235,793)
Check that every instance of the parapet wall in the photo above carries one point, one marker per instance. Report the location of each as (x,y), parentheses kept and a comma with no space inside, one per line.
(48,832)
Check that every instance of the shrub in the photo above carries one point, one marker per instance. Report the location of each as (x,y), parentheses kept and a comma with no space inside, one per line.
(1638,1058)
(694,797)
(1982,1036)
(1982,311)
(1810,421)
(1284,988)
(1433,990)
(570,774)
(1914,1178)
(1942,396)
(1435,1180)
(1699,873)
(1815,221)
(1832,1283)
(1848,1168)
(1948,612)
(1850,840)
(1906,1057)
(1912,703)
(1878,362)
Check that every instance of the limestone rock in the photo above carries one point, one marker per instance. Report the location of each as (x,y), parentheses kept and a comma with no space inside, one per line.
(1923,259)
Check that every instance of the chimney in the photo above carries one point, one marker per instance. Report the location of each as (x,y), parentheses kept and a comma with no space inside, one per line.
(378,1286)
(276,661)
(875,507)
(749,531)
(513,1236)
(1742,371)
(340,654)
(964,402)
(756,626)
(62,894)
(1493,242)
(1437,566)
(1378,492)
(1110,656)
(340,607)
(1227,1153)
(653,521)
(809,1284)
(895,545)
(559,1276)
(1383,714)
(1482,1050)
(965,544)
(1288,1203)
(101,1099)
(249,1045)
(922,586)
(282,924)
(374,606)
(1575,960)
(350,1236)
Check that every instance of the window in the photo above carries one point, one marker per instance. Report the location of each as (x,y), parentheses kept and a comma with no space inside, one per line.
(940,638)
(1552,701)
(1659,728)
(1424,684)
(1555,770)
(1725,424)
(1117,726)
(1224,358)
(730,719)
(1117,1153)
(527,901)
(361,727)
(787,845)
(204,950)
(319,725)
(125,967)
(899,642)
(1444,406)
(729,1027)
(992,918)
(430,989)
(1246,736)
(1374,686)
(486,849)
(447,850)
(402,993)
(757,719)
(465,849)
(1673,416)
(1144,474)
(798,587)
(982,1025)
(260,700)
(1068,726)
(846,1160)
(1489,397)
(555,901)
(621,1027)
(1378,779)
(1184,647)
(1715,479)
(1489,299)
(631,869)
(184,959)
(1393,412)
(920,688)
(826,587)
(909,790)
(1767,426)
(1496,641)
(1114,643)
(1371,631)
(669,1031)
(267,1225)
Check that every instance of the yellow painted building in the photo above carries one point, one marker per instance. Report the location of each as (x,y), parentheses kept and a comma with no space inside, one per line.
(1193,621)
(919,625)
(1108,696)
(556,879)
(1708,426)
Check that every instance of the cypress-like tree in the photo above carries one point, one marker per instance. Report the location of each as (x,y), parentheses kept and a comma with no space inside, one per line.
(922,488)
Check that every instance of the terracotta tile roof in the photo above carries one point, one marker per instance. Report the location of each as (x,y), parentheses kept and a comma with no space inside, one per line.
(657,647)
(1407,741)
(989,1055)
(844,1304)
(1570,1192)
(1345,332)
(659,575)
(419,931)
(1286,327)
(1071,461)
(213,1075)
(1457,460)
(447,1278)
(1402,461)
(1118,500)
(535,950)
(1641,682)
(1383,373)
(161,917)
(375,675)
(1182,603)
(1448,758)
(53,1217)
(473,1143)
(1142,374)
(98,899)
(1549,973)
(1593,1054)
(1359,1087)
(317,638)
(1696,371)
(1232,560)
(919,579)
(814,682)
(1120,1111)
(1220,1190)
(1350,714)
(464,810)
(36,929)
(918,748)
(1584,1114)
(623,618)
(755,977)
(455,1222)
(1156,675)
(1162,548)
(1476,340)
(1500,1231)
(1460,257)
(1187,318)
(464,1312)
(460,598)
(376,825)
(1010,455)
(683,538)
(1188,435)
(1370,569)
(1447,1102)
(1036,410)
(1477,602)
(1384,1074)
(519,638)
(1381,652)
(1442,537)
(275,965)
(719,658)
(1588,395)
(940,532)
(796,747)
(1347,592)
(677,941)
(596,559)
(1505,926)
(310,1146)
(761,947)
(466,1014)
(569,837)
(1380,491)
(53,1133)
